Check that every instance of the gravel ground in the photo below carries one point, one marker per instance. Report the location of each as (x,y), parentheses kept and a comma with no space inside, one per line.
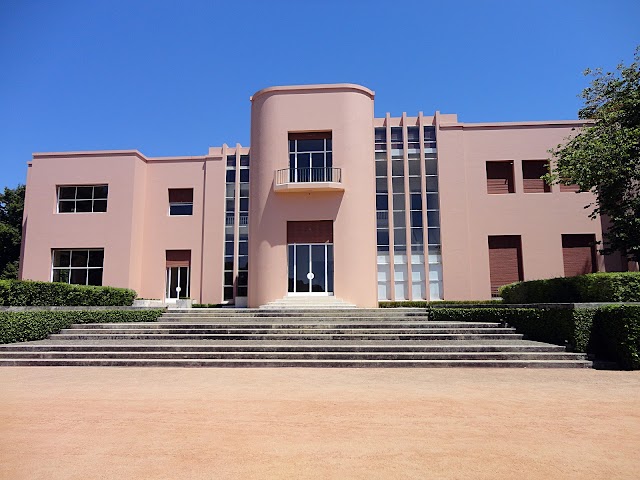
(150,423)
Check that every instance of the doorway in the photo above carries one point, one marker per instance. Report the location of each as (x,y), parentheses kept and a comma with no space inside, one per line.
(310,268)
(177,280)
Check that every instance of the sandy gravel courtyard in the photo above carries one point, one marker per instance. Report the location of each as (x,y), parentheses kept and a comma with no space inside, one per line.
(152,423)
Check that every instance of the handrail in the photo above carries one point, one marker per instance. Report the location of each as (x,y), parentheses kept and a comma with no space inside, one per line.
(307,175)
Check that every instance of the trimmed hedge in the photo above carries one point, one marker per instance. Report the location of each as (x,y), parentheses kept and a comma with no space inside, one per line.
(28,326)
(17,293)
(617,330)
(609,332)
(207,305)
(427,304)
(593,287)
(553,326)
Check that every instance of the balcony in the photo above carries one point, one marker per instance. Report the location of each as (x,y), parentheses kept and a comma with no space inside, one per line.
(315,179)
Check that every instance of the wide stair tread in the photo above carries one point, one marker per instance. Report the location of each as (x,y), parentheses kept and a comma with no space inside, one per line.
(291,337)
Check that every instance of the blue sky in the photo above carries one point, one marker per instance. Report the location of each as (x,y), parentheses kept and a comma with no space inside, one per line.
(173,78)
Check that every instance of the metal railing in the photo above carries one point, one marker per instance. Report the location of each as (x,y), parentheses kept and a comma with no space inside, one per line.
(306,175)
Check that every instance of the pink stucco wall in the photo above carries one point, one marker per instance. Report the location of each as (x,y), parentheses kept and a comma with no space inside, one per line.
(346,111)
(136,229)
(469,214)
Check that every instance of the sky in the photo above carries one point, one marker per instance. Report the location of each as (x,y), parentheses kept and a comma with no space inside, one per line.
(174,77)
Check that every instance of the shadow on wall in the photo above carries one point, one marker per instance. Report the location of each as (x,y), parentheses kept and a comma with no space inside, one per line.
(613,262)
(282,207)
(22,244)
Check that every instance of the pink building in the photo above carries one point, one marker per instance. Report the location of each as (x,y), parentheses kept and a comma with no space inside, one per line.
(329,201)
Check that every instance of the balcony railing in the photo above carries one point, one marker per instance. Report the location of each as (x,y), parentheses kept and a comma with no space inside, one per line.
(309,175)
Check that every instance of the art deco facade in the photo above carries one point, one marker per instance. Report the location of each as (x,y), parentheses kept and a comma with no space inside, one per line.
(329,201)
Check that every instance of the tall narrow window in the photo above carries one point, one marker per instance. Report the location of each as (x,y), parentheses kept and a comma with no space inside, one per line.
(579,254)
(229,229)
(532,171)
(178,273)
(500,177)
(180,201)
(243,228)
(311,158)
(505,261)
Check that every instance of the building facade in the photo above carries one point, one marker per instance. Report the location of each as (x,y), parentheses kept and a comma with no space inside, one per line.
(328,201)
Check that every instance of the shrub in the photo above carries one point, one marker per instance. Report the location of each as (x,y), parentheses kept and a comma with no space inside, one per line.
(28,326)
(427,304)
(617,335)
(207,305)
(560,326)
(593,287)
(18,293)
(610,333)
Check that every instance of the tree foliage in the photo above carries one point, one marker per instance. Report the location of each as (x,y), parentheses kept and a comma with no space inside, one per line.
(604,156)
(11,208)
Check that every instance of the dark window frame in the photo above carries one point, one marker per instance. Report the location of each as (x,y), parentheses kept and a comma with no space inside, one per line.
(98,204)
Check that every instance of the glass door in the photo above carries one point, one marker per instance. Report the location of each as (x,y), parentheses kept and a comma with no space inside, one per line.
(311,269)
(177,283)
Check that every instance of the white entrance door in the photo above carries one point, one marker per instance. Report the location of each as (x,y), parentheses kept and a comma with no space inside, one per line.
(177,283)
(310,269)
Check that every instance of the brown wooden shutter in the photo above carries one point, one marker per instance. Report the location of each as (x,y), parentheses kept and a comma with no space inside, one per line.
(579,254)
(505,261)
(532,170)
(309,135)
(320,231)
(181,195)
(500,177)
(569,188)
(178,258)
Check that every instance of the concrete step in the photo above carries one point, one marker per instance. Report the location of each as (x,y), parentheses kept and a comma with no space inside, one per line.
(314,302)
(298,314)
(244,363)
(283,325)
(319,330)
(285,337)
(292,318)
(249,336)
(281,347)
(118,355)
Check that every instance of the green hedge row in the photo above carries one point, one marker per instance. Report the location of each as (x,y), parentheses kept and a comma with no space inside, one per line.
(27,326)
(427,304)
(207,305)
(609,333)
(617,330)
(593,287)
(16,293)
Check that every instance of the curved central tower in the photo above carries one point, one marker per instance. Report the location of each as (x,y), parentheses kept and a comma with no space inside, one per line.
(312,213)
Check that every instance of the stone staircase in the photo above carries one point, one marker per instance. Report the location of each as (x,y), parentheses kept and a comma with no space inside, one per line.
(291,338)
(308,303)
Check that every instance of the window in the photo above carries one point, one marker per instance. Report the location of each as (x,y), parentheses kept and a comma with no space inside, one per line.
(579,254)
(178,272)
(181,201)
(505,261)
(430,139)
(500,177)
(380,134)
(82,198)
(396,138)
(311,157)
(569,188)
(80,266)
(532,171)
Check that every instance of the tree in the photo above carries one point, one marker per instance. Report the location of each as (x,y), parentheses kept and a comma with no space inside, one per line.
(604,156)
(11,208)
